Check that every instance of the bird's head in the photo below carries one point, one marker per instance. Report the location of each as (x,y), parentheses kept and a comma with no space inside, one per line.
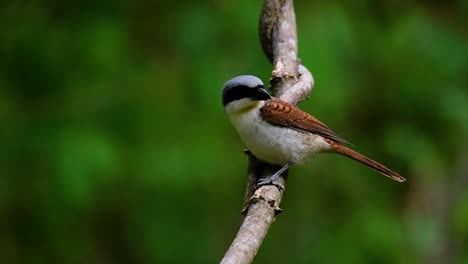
(242,93)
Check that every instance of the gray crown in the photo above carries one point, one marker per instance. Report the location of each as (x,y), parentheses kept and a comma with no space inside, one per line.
(243,80)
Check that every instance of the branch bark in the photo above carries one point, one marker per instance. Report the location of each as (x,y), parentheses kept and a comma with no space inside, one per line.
(291,82)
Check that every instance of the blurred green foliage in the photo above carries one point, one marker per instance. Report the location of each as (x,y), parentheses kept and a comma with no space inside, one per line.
(114,147)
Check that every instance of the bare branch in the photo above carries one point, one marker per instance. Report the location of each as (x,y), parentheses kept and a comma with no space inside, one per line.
(279,42)
(262,208)
(254,168)
(301,89)
(291,82)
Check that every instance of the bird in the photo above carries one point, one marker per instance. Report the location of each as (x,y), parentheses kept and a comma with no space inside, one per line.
(279,133)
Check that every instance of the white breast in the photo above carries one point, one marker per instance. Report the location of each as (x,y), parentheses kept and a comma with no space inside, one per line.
(275,144)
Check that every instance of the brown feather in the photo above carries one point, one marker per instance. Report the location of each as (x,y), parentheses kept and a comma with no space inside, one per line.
(281,113)
(365,160)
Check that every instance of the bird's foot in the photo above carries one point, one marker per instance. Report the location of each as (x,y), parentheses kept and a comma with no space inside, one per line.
(270,181)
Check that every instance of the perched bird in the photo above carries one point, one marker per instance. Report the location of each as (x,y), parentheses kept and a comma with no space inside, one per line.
(279,133)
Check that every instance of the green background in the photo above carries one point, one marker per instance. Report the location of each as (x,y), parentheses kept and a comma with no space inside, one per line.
(114,147)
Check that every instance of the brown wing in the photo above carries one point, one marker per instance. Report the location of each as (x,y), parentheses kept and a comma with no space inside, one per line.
(281,113)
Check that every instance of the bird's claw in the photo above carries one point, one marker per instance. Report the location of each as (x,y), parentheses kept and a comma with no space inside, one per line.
(269,181)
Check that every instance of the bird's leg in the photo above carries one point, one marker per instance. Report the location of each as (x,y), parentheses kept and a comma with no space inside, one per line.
(271,180)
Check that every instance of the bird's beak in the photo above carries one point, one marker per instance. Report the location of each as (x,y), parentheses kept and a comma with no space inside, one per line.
(262,94)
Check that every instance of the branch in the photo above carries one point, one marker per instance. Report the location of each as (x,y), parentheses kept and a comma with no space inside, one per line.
(279,42)
(259,212)
(291,82)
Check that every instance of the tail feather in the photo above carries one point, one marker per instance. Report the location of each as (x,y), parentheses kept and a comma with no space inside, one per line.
(366,161)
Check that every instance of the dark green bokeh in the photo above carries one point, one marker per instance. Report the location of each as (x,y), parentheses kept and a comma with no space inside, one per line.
(115,147)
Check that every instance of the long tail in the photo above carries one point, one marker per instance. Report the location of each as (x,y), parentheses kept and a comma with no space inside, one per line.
(366,161)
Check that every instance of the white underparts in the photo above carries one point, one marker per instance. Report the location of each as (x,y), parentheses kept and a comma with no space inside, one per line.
(270,143)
